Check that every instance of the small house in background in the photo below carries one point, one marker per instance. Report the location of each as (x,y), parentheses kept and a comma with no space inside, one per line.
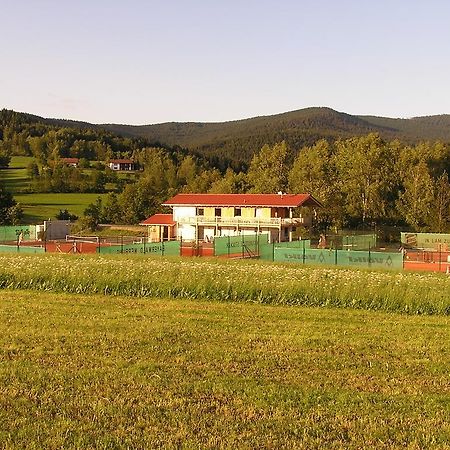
(122,164)
(201,217)
(72,162)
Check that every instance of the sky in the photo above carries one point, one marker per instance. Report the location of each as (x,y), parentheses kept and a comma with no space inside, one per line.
(149,61)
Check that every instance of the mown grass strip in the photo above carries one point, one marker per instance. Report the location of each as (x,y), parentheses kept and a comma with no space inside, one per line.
(210,279)
(82,371)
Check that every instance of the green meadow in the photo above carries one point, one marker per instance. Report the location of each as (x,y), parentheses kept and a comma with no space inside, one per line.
(128,351)
(15,178)
(230,281)
(90,371)
(39,207)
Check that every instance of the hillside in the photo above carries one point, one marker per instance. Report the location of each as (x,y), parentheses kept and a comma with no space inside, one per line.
(236,141)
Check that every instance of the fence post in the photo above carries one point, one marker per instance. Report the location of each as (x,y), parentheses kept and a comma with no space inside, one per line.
(228,245)
(121,244)
(162,248)
(181,245)
(303,256)
(336,256)
(370,262)
(440,250)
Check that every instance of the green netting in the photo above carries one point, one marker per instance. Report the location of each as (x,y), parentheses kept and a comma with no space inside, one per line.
(160,248)
(20,249)
(172,248)
(352,241)
(302,243)
(11,233)
(305,256)
(380,260)
(266,251)
(245,244)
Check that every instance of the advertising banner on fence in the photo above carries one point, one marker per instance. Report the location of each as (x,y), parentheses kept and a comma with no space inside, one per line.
(159,248)
(428,241)
(379,260)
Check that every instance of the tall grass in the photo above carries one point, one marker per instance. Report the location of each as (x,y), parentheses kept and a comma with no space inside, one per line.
(248,281)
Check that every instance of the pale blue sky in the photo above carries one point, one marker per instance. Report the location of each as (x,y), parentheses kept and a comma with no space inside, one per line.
(139,62)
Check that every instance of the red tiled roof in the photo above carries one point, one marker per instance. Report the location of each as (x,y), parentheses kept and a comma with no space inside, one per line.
(267,200)
(159,219)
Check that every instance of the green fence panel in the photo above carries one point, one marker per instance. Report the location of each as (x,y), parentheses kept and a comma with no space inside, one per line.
(302,243)
(359,242)
(21,249)
(306,256)
(155,248)
(11,233)
(378,260)
(172,248)
(352,241)
(266,251)
(226,244)
(244,244)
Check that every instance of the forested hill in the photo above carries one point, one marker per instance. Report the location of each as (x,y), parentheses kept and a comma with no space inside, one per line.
(239,140)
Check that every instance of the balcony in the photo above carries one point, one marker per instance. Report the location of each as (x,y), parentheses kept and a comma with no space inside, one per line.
(273,222)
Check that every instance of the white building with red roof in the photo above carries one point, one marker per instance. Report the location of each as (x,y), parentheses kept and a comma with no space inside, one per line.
(198,217)
(122,164)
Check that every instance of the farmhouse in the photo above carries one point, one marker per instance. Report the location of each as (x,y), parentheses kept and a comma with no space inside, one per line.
(122,164)
(73,162)
(201,217)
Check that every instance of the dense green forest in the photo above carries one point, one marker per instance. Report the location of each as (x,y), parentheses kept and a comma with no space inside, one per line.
(234,143)
(237,141)
(361,180)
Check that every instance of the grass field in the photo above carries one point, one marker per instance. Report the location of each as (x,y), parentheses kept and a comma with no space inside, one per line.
(15,178)
(230,281)
(82,371)
(39,207)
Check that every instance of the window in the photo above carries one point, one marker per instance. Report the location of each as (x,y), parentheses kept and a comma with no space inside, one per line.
(237,212)
(218,212)
(200,212)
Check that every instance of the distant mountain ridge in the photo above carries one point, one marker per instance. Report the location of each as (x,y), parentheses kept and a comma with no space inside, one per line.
(237,141)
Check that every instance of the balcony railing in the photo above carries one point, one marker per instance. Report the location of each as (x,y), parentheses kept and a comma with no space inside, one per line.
(272,222)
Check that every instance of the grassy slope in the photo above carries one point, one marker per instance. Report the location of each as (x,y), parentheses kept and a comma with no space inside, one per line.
(15,178)
(37,206)
(102,372)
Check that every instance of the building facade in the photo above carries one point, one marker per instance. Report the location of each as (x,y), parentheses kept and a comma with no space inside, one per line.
(122,165)
(201,217)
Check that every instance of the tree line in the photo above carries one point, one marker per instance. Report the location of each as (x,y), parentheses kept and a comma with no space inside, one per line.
(360,181)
